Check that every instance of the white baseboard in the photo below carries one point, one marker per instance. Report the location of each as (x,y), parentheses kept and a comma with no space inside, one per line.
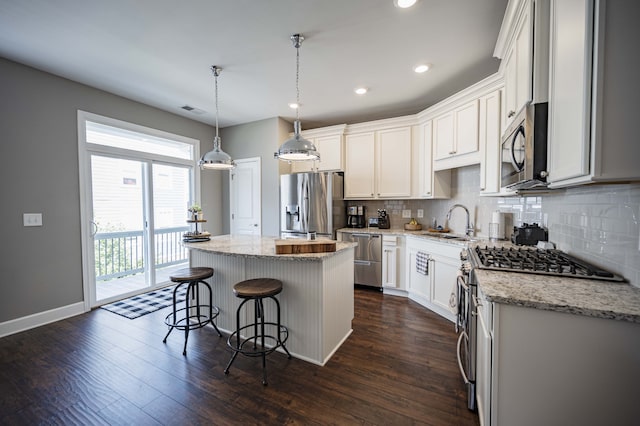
(41,318)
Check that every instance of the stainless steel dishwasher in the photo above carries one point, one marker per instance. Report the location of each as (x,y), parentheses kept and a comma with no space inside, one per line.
(368,258)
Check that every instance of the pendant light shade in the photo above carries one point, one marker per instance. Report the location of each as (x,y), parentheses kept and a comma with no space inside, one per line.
(216,159)
(297,148)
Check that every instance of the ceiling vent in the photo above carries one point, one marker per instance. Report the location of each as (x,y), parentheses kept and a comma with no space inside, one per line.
(193,109)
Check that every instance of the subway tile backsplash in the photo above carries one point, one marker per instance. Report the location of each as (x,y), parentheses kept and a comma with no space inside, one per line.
(598,223)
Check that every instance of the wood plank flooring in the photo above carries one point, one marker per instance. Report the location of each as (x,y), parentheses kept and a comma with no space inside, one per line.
(397,368)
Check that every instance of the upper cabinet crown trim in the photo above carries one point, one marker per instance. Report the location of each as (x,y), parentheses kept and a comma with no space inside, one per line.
(507,32)
(322,131)
(387,123)
(475,91)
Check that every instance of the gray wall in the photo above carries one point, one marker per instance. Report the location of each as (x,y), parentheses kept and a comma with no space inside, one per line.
(41,266)
(258,139)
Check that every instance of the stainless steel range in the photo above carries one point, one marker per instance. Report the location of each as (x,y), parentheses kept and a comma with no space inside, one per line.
(506,259)
(536,261)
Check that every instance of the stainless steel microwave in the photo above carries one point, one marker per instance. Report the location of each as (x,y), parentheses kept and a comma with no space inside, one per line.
(524,149)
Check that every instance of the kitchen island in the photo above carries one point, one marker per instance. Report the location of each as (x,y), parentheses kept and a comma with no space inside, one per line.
(317,296)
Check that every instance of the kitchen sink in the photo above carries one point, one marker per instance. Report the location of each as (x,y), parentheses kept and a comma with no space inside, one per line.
(449,236)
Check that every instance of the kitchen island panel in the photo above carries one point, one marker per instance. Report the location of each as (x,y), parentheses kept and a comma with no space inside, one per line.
(316,300)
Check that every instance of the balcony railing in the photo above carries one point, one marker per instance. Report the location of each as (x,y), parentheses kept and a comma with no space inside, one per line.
(120,254)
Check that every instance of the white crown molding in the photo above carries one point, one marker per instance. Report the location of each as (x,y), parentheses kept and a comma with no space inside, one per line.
(508,27)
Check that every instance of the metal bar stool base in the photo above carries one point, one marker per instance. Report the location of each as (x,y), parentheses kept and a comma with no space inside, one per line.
(260,343)
(191,317)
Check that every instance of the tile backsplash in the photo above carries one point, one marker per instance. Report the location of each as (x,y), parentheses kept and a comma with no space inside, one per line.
(598,223)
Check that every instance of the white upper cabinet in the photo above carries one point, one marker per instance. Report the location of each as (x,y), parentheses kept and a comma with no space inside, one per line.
(428,183)
(329,143)
(378,164)
(592,96)
(455,137)
(359,177)
(393,177)
(490,143)
(515,48)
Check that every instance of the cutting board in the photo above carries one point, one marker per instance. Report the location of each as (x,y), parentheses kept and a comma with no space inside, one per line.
(304,246)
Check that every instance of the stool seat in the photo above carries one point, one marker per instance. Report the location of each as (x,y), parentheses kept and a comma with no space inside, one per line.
(191,274)
(257,287)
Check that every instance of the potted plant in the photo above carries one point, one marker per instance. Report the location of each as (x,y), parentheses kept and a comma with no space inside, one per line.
(195,211)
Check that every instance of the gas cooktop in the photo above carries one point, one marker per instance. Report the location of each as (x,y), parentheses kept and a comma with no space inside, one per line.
(537,261)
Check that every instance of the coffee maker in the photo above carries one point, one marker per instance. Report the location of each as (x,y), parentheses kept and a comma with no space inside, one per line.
(383,219)
(356,217)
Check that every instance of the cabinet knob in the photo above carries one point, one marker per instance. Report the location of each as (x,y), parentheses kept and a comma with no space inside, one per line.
(511,114)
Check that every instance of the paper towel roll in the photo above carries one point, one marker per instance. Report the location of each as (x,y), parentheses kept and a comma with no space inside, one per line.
(497,218)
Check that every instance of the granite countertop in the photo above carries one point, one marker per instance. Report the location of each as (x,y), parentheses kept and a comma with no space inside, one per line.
(595,298)
(257,246)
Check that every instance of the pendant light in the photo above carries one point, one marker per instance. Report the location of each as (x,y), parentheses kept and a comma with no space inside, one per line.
(216,159)
(297,148)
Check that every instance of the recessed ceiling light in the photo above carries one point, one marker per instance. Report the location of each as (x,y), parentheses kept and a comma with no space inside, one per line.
(361,90)
(421,68)
(403,4)
(294,105)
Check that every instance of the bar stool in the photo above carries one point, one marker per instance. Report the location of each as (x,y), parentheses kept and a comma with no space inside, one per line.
(195,315)
(258,289)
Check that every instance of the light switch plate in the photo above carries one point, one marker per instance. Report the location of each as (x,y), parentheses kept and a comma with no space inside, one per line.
(406,214)
(420,213)
(32,219)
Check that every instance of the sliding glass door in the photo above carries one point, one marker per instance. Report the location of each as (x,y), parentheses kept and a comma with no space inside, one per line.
(135,192)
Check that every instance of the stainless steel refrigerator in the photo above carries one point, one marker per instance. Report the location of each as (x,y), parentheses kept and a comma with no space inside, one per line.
(312,203)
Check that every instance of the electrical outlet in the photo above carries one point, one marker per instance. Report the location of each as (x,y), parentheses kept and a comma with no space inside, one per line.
(32,219)
(406,214)
(420,213)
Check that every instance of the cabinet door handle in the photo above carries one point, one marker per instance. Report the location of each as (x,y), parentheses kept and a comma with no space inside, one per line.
(451,152)
(511,114)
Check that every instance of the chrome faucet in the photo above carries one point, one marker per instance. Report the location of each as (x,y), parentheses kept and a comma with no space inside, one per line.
(470,230)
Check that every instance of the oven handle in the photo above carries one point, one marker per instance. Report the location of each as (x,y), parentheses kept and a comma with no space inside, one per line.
(460,280)
(462,283)
(464,375)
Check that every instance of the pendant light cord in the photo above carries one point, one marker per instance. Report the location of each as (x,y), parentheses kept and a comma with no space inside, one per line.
(215,74)
(298,80)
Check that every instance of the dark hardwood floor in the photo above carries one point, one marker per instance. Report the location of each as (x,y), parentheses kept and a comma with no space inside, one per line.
(397,368)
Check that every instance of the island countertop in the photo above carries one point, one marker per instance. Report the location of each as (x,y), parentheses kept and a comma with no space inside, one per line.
(257,246)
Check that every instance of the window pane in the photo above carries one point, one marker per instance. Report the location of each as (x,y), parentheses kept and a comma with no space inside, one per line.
(103,134)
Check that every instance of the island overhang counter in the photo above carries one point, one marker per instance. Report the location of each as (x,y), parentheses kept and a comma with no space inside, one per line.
(317,296)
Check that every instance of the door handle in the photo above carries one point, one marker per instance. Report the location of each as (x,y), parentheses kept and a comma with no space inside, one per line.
(95,228)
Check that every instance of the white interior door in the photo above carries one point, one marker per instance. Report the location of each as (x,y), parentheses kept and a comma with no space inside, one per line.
(245,197)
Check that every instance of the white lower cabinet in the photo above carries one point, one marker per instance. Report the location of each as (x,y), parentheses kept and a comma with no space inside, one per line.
(433,288)
(539,367)
(484,347)
(392,263)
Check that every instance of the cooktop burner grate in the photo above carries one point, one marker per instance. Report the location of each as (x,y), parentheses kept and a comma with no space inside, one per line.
(537,261)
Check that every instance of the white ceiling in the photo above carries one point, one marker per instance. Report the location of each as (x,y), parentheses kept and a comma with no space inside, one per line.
(159,52)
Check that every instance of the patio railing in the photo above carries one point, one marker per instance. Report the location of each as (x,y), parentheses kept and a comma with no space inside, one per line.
(119,254)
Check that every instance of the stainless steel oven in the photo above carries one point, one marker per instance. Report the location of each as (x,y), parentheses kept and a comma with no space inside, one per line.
(506,259)
(466,327)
